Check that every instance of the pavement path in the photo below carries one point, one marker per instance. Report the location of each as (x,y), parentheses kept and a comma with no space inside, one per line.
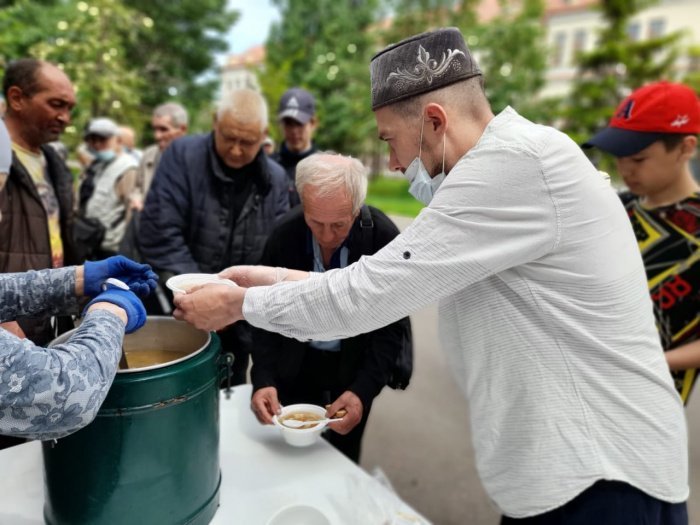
(420,438)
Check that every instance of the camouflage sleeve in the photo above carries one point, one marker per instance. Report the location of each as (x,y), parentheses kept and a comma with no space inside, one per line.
(35,293)
(47,393)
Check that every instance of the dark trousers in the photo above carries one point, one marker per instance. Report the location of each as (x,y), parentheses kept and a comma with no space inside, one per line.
(610,503)
(319,383)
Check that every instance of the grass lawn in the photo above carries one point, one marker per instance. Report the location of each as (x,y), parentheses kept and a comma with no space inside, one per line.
(391,195)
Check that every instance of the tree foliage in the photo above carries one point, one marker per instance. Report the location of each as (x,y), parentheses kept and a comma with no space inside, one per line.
(616,66)
(123,56)
(179,47)
(92,53)
(512,53)
(324,47)
(409,17)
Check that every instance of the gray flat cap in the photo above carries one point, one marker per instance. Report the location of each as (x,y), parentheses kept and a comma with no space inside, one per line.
(419,64)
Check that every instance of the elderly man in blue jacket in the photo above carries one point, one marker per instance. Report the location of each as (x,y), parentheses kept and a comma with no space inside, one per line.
(213,201)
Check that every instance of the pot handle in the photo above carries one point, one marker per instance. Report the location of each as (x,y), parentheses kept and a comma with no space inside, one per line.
(225,370)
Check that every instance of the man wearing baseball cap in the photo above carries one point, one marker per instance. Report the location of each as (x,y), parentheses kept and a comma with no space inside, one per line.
(653,135)
(297,117)
(105,190)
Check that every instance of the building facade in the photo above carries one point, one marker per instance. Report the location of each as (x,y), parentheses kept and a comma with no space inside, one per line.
(240,71)
(573,26)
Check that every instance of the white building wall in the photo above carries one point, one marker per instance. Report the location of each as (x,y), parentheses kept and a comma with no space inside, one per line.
(239,78)
(562,28)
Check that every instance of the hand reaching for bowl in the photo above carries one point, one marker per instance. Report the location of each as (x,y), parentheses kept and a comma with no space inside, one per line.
(249,276)
(349,402)
(210,307)
(265,404)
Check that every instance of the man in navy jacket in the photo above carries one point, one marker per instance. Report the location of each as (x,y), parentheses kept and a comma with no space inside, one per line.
(213,201)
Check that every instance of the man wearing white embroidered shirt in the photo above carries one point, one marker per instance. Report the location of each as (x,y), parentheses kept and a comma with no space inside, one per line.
(545,316)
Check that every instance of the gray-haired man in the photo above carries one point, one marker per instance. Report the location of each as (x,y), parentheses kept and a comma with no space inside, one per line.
(213,202)
(169,122)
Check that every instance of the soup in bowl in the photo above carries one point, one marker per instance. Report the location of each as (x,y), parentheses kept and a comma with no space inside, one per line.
(313,418)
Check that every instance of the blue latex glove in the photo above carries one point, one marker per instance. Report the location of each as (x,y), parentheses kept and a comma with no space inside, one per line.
(127,300)
(140,278)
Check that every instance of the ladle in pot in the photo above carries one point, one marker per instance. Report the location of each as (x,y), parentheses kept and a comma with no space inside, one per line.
(123,363)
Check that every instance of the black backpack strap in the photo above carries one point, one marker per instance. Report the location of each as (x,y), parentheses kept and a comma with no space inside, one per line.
(366,221)
(366,226)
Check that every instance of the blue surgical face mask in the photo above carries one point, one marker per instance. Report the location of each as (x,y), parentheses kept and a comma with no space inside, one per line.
(105,155)
(423,186)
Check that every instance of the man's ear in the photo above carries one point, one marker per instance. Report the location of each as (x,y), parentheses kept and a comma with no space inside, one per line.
(14,97)
(436,116)
(214,118)
(689,146)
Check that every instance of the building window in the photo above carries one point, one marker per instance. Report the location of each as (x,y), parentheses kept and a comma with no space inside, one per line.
(579,45)
(656,27)
(558,49)
(634,31)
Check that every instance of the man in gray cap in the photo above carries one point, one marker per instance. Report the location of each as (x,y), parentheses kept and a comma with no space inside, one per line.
(105,189)
(297,117)
(544,310)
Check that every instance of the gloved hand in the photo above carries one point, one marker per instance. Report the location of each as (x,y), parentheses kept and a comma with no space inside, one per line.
(126,299)
(140,278)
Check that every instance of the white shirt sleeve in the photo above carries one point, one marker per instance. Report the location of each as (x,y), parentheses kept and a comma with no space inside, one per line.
(484,219)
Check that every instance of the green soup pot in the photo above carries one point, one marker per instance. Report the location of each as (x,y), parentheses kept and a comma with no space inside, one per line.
(151,456)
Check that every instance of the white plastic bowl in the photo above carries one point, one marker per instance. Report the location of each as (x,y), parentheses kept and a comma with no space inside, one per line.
(300,437)
(183,282)
(299,515)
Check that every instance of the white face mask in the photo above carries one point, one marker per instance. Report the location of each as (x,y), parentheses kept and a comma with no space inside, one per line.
(423,187)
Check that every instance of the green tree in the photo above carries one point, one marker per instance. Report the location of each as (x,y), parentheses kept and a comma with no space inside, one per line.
(692,77)
(512,53)
(409,17)
(325,46)
(92,53)
(175,51)
(124,56)
(617,65)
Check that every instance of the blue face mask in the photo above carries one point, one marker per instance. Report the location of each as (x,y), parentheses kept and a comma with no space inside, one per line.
(105,155)
(423,186)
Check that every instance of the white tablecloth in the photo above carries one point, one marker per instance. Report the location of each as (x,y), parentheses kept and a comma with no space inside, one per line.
(260,475)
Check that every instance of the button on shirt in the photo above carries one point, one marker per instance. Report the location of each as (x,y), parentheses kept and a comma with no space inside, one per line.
(544,315)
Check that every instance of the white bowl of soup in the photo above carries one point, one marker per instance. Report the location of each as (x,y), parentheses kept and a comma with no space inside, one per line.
(186,282)
(313,418)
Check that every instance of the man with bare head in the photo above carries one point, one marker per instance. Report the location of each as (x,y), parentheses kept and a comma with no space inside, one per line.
(127,140)
(168,122)
(36,202)
(36,199)
(213,202)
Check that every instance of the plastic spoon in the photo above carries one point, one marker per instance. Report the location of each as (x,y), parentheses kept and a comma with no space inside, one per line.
(293,423)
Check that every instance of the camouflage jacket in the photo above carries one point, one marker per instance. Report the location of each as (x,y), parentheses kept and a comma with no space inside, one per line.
(47,393)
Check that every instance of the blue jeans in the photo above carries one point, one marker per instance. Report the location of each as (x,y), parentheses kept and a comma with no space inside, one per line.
(610,503)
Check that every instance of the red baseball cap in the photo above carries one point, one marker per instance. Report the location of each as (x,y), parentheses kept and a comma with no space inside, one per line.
(648,113)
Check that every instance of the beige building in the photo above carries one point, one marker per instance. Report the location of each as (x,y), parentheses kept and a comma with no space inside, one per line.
(572,26)
(239,72)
